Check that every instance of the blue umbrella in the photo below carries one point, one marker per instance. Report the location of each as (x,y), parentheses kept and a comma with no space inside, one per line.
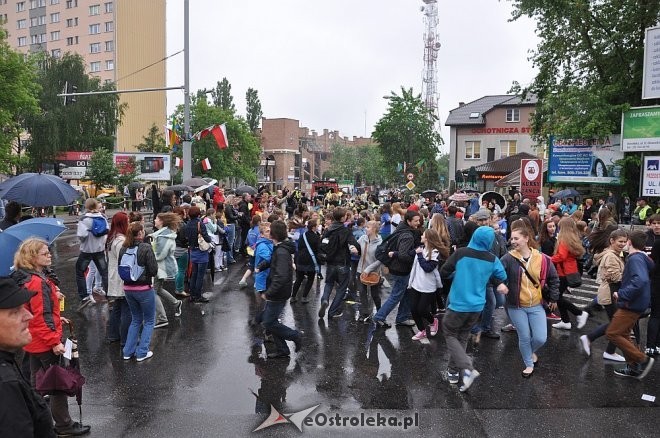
(566,193)
(38,190)
(11,238)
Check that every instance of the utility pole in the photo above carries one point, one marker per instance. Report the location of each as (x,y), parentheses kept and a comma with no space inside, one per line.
(187,144)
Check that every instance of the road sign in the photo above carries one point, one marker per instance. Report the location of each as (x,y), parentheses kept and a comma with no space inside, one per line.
(410,177)
(410,185)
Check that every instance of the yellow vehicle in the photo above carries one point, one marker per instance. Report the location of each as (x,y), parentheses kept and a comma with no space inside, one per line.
(95,192)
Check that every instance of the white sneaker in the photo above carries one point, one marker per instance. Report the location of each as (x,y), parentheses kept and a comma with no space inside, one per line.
(616,357)
(148,356)
(562,325)
(586,345)
(468,379)
(582,319)
(177,309)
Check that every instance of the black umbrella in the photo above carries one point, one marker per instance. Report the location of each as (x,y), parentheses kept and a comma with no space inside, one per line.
(566,193)
(194,182)
(429,193)
(135,185)
(180,188)
(245,189)
(38,190)
(495,197)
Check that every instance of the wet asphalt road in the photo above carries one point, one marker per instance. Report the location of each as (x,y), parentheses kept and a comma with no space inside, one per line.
(208,362)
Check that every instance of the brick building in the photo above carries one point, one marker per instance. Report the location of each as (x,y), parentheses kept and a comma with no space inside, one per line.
(115,38)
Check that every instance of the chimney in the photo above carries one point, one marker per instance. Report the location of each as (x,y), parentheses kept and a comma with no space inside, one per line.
(460,104)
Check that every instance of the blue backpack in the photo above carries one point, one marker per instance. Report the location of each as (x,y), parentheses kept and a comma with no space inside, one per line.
(129,270)
(99,226)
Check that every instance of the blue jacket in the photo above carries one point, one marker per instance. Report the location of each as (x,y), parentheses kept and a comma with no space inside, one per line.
(357,233)
(262,253)
(471,269)
(253,236)
(635,291)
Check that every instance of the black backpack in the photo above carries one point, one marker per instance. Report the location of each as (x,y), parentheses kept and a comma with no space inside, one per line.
(388,244)
(329,243)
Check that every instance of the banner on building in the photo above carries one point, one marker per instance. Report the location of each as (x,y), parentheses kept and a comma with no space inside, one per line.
(585,161)
(650,177)
(151,167)
(640,129)
(651,75)
(72,165)
(531,178)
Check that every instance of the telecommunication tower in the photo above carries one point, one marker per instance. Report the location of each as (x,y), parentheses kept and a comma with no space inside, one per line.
(431,48)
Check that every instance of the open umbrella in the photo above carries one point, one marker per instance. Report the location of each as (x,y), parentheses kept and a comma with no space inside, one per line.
(566,193)
(245,189)
(194,182)
(135,185)
(429,193)
(201,188)
(495,197)
(210,181)
(459,196)
(38,190)
(179,188)
(10,239)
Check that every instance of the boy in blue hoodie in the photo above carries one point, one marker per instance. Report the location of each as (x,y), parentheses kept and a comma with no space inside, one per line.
(263,251)
(471,269)
(632,299)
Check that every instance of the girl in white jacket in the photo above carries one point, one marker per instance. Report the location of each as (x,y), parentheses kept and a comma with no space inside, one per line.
(164,244)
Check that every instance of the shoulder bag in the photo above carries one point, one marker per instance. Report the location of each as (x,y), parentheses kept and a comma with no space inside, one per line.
(203,244)
(317,268)
(368,278)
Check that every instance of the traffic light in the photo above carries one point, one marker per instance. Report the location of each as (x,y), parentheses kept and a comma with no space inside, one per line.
(69,88)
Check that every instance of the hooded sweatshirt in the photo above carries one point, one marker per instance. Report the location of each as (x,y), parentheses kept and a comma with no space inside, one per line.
(89,243)
(263,251)
(164,243)
(471,268)
(280,279)
(635,291)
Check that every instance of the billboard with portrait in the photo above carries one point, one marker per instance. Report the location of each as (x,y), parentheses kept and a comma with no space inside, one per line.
(585,160)
(151,167)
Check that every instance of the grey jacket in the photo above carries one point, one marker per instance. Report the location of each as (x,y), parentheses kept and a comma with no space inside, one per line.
(88,242)
(164,244)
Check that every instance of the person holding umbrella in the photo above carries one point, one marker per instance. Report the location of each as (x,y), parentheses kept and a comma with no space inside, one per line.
(31,260)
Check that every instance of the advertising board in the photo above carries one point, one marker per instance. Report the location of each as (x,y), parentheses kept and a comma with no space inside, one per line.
(585,160)
(640,129)
(151,167)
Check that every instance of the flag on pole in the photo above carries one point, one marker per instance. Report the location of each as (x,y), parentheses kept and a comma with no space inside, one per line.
(404,167)
(178,163)
(171,137)
(206,164)
(203,133)
(220,134)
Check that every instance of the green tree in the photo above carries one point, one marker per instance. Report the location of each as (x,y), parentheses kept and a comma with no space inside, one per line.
(443,167)
(153,142)
(406,133)
(18,99)
(590,62)
(87,124)
(253,110)
(101,170)
(222,97)
(366,161)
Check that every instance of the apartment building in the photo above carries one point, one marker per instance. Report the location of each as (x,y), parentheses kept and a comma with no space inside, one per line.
(117,39)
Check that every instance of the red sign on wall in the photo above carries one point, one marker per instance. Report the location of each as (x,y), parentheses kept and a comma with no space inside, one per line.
(531,178)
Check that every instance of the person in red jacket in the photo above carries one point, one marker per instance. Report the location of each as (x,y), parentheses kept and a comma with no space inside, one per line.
(218,197)
(31,262)
(569,249)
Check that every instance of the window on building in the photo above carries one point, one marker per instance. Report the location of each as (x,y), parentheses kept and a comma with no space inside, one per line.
(55,18)
(39,38)
(37,4)
(3,18)
(94,29)
(54,2)
(475,115)
(95,48)
(507,148)
(472,150)
(109,46)
(22,41)
(109,26)
(21,24)
(108,7)
(38,21)
(20,6)
(95,66)
(71,41)
(513,115)
(71,22)
(55,35)
(71,4)
(95,10)
(110,64)
(56,53)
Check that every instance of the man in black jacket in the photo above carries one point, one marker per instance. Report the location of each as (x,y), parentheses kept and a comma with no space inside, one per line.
(231,215)
(280,282)
(341,244)
(23,412)
(243,222)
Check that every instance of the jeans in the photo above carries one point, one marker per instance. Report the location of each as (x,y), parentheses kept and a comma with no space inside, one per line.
(485,325)
(456,328)
(281,333)
(231,237)
(164,295)
(532,329)
(81,265)
(182,264)
(143,310)
(94,279)
(618,333)
(59,403)
(397,296)
(602,329)
(197,279)
(340,275)
(118,321)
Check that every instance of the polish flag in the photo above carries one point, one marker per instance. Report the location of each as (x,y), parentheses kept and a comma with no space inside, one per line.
(220,134)
(206,164)
(203,133)
(178,162)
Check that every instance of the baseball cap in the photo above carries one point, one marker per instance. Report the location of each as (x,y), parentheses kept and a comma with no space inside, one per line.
(482,214)
(12,295)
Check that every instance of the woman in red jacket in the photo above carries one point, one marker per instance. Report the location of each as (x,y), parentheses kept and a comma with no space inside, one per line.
(31,262)
(569,249)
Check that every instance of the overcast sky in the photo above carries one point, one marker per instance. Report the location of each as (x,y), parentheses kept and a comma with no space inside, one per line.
(327,63)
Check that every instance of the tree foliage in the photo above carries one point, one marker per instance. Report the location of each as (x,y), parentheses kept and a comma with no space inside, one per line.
(88,124)
(101,170)
(406,133)
(18,99)
(222,97)
(253,111)
(153,142)
(590,62)
(364,164)
(443,167)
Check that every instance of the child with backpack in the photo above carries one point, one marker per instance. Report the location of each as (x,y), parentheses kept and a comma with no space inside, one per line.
(92,232)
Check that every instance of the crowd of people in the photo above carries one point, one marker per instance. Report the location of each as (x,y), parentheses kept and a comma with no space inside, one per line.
(449,266)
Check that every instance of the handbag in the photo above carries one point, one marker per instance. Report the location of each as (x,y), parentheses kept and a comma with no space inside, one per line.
(368,278)
(203,244)
(574,280)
